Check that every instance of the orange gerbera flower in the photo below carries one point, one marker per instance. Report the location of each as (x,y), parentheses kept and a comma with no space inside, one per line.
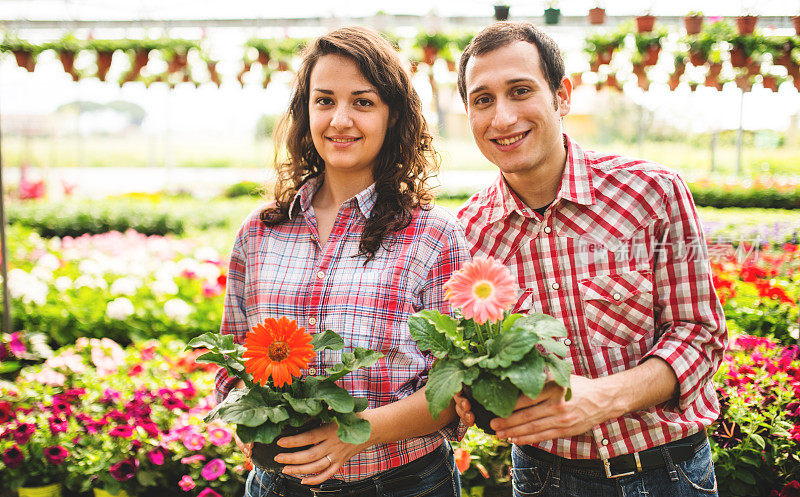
(483,288)
(277,348)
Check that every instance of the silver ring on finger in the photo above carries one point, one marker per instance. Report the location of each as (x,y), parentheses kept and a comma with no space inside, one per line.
(329,459)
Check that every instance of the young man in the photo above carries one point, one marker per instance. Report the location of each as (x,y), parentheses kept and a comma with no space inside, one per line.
(612,247)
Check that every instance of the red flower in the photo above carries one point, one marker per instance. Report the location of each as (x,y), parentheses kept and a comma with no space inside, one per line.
(58,425)
(277,348)
(6,413)
(13,457)
(791,489)
(122,431)
(125,469)
(156,456)
(55,454)
(22,433)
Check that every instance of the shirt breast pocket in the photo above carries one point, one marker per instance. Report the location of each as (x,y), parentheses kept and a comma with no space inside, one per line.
(618,308)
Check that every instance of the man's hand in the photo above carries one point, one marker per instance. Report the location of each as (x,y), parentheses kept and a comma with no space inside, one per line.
(463,410)
(549,416)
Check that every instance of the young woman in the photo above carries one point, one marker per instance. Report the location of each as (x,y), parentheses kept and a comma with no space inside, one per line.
(352,243)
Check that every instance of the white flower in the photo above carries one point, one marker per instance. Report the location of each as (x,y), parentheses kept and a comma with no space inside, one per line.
(63,283)
(49,261)
(165,286)
(27,287)
(206,254)
(54,244)
(177,310)
(42,273)
(125,286)
(18,281)
(119,308)
(208,272)
(89,266)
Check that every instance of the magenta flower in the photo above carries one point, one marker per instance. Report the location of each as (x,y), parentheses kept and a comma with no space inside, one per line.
(186,483)
(110,396)
(16,346)
(219,436)
(194,441)
(193,459)
(22,433)
(156,456)
(122,431)
(125,469)
(61,406)
(150,428)
(13,457)
(58,425)
(55,454)
(213,470)
(207,492)
(6,413)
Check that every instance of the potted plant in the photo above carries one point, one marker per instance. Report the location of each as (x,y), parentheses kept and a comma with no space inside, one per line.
(597,15)
(501,12)
(645,23)
(744,82)
(693,22)
(796,24)
(601,46)
(648,45)
(552,13)
(271,405)
(24,52)
(490,355)
(431,44)
(263,48)
(67,47)
(745,49)
(770,82)
(746,24)
(702,45)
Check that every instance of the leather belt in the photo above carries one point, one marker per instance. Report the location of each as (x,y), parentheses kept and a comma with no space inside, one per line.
(627,464)
(395,479)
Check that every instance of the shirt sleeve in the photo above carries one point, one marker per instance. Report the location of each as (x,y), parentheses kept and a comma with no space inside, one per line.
(454,253)
(234,318)
(691,335)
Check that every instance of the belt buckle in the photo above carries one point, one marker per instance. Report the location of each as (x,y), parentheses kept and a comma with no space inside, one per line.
(609,474)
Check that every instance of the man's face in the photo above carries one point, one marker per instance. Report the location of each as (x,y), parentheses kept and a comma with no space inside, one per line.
(515,118)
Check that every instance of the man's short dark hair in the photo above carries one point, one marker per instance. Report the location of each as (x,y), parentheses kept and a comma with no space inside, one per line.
(504,33)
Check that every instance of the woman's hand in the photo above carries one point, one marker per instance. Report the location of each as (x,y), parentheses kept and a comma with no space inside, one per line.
(321,461)
(247,449)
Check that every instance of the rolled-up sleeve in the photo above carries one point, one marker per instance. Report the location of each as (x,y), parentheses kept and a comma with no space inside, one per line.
(691,335)
(234,319)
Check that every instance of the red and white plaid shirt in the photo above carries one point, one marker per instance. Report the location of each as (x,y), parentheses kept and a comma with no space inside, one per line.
(283,271)
(620,259)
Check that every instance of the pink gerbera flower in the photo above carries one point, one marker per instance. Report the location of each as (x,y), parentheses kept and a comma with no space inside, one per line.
(483,289)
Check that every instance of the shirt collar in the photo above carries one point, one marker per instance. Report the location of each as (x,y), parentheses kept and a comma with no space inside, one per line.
(576,186)
(364,200)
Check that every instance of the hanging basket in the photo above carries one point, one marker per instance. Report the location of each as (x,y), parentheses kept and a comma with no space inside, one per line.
(25,60)
(770,82)
(693,24)
(746,24)
(501,12)
(796,23)
(213,74)
(674,81)
(552,16)
(263,57)
(597,16)
(67,61)
(696,58)
(650,57)
(738,57)
(53,490)
(429,53)
(645,23)
(103,64)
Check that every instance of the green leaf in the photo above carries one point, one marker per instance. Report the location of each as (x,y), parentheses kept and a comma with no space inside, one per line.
(496,395)
(335,396)
(427,336)
(359,404)
(359,358)
(759,440)
(527,374)
(746,477)
(561,369)
(216,342)
(555,347)
(312,407)
(352,429)
(471,361)
(146,478)
(329,340)
(509,347)
(221,360)
(444,381)
(265,434)
(542,324)
(277,414)
(509,322)
(249,410)
(232,397)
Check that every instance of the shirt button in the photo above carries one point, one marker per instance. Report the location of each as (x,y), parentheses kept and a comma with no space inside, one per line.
(312,321)
(320,274)
(617,296)
(604,442)
(567,341)
(547,229)
(312,371)
(556,286)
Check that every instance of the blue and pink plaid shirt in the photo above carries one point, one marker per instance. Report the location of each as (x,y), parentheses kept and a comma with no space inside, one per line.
(284,271)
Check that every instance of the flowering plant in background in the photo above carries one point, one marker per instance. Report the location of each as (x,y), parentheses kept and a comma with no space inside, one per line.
(494,354)
(484,462)
(756,440)
(276,396)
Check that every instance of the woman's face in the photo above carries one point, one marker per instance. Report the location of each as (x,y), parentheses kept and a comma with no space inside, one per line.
(347,117)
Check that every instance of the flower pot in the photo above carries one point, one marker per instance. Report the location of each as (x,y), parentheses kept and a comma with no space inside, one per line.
(140,59)
(638,69)
(796,23)
(67,61)
(650,57)
(714,69)
(484,416)
(213,74)
(451,65)
(770,82)
(746,24)
(551,16)
(263,455)
(696,58)
(577,79)
(103,64)
(743,82)
(25,60)
(594,65)
(680,68)
(712,81)
(644,24)
(177,63)
(611,82)
(501,12)
(53,490)
(429,54)
(753,68)
(693,24)
(604,57)
(263,57)
(414,66)
(99,492)
(643,82)
(674,81)
(283,65)
(597,15)
(738,57)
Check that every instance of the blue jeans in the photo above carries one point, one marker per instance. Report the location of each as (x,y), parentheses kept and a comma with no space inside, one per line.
(440,479)
(690,478)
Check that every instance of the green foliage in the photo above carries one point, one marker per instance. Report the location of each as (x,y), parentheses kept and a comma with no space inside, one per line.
(262,412)
(765,198)
(436,40)
(242,188)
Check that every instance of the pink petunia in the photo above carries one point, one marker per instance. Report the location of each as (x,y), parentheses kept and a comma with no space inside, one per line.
(213,470)
(186,483)
(207,492)
(122,431)
(194,441)
(15,345)
(156,456)
(219,436)
(193,459)
(55,454)
(483,289)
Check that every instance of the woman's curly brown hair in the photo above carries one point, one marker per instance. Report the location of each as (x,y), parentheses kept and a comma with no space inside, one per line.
(406,159)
